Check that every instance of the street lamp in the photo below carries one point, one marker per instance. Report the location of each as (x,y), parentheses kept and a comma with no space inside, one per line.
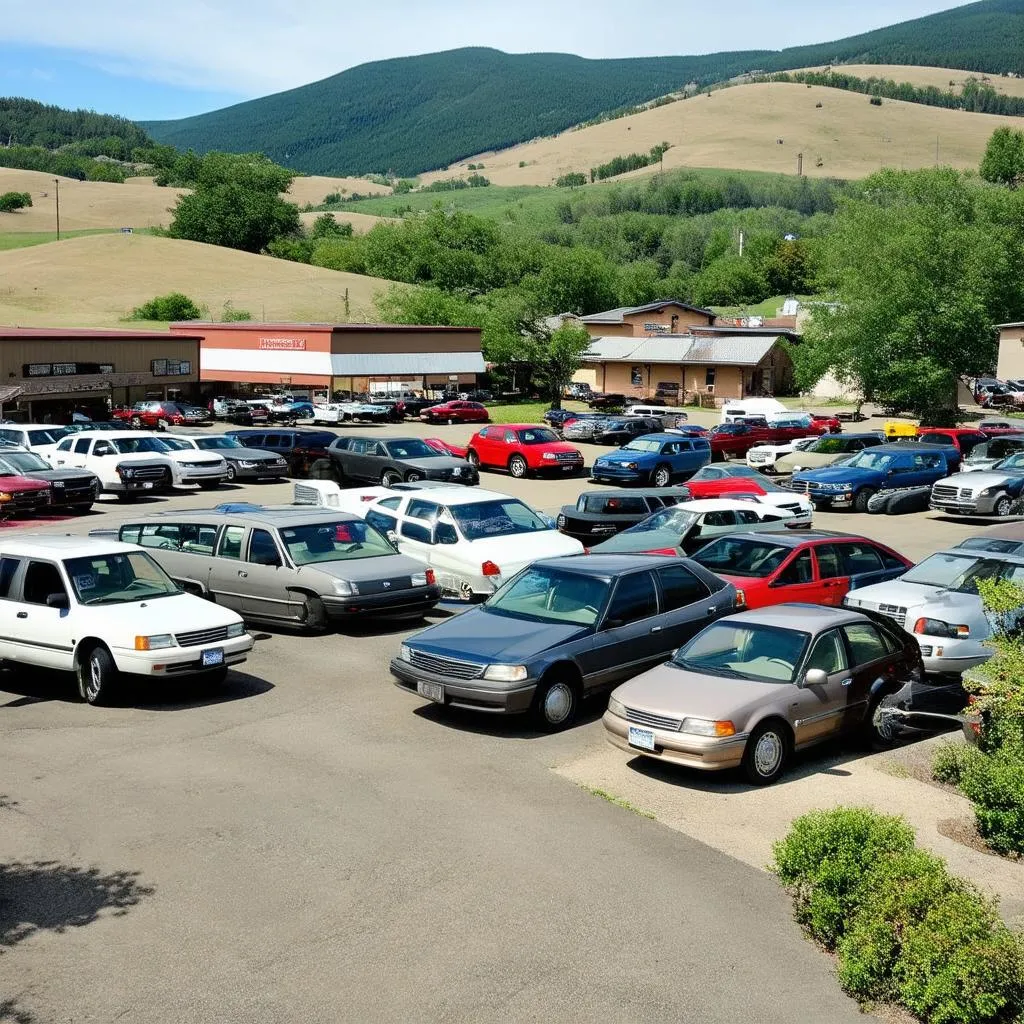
(56,182)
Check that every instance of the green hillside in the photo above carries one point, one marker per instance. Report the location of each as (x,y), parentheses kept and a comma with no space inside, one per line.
(418,113)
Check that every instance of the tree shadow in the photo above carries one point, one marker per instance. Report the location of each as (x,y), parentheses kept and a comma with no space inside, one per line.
(12,1012)
(47,896)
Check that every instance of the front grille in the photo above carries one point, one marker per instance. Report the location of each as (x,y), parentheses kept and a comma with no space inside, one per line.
(896,612)
(391,586)
(657,721)
(199,464)
(758,456)
(800,486)
(796,509)
(944,492)
(926,650)
(77,488)
(446,666)
(28,499)
(567,457)
(148,472)
(198,637)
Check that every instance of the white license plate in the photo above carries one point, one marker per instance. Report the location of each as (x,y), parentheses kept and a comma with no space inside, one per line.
(213,657)
(642,738)
(432,691)
(568,469)
(148,485)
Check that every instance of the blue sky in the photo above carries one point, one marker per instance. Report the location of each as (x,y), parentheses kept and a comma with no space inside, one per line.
(145,60)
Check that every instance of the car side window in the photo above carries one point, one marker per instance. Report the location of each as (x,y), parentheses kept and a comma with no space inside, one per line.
(445,533)
(159,535)
(262,549)
(858,557)
(680,587)
(231,542)
(275,441)
(866,644)
(635,598)
(509,437)
(419,509)
(416,531)
(81,446)
(103,448)
(829,563)
(828,653)
(798,571)
(8,567)
(381,522)
(41,580)
(748,516)
(391,503)
(377,449)
(890,561)
(722,518)
(197,539)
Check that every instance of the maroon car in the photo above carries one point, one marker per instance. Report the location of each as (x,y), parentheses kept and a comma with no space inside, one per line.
(456,412)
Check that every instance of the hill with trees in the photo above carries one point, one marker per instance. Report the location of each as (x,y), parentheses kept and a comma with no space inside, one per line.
(412,114)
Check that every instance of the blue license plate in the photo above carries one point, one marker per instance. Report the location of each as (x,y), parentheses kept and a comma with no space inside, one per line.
(213,657)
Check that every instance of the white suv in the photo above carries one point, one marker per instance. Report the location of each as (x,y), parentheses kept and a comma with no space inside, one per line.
(764,456)
(107,611)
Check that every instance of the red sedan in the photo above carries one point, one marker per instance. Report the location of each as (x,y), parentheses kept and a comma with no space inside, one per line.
(523,448)
(823,419)
(151,415)
(720,481)
(814,568)
(444,448)
(456,412)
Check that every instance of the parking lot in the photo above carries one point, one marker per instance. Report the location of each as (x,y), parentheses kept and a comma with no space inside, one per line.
(311,844)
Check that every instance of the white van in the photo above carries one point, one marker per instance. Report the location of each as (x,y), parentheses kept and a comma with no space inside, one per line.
(669,415)
(737,408)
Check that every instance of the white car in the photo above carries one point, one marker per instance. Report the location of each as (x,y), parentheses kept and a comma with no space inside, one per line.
(800,507)
(194,465)
(107,612)
(763,456)
(127,463)
(474,540)
(937,601)
(41,438)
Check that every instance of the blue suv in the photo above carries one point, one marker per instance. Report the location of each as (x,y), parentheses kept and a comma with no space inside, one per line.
(654,458)
(851,483)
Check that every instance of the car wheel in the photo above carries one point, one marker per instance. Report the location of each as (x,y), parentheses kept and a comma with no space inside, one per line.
(879,732)
(97,675)
(766,752)
(556,702)
(662,476)
(322,469)
(517,467)
(231,473)
(390,477)
(136,422)
(1002,506)
(412,477)
(861,499)
(472,458)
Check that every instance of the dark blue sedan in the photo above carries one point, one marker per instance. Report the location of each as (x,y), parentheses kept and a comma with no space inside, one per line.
(657,459)
(562,629)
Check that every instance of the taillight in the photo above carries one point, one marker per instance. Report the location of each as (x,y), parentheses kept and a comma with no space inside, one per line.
(741,599)
(490,569)
(431,578)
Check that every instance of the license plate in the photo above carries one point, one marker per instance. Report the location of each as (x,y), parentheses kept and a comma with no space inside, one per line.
(568,469)
(642,738)
(148,485)
(432,691)
(213,657)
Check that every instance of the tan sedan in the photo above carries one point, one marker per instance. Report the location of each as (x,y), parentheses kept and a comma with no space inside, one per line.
(751,688)
(826,451)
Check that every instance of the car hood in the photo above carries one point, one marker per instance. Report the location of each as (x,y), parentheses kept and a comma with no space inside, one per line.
(249,454)
(380,567)
(175,614)
(193,456)
(810,459)
(512,553)
(434,462)
(913,595)
(159,458)
(22,482)
(677,693)
(482,635)
(58,474)
(979,480)
(839,474)
(553,446)
(647,540)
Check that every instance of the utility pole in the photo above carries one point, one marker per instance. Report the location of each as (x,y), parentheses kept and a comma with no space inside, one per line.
(56,182)
(799,165)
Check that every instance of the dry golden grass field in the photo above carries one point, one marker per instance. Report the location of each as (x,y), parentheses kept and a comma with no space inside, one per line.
(96,280)
(924,76)
(740,127)
(313,188)
(361,222)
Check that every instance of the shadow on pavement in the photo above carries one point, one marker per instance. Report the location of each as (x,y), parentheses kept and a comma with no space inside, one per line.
(516,727)
(12,1012)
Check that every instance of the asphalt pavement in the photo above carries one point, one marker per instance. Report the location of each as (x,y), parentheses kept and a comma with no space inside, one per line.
(313,845)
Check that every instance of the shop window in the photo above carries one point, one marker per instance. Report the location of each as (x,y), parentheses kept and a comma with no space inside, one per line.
(709,377)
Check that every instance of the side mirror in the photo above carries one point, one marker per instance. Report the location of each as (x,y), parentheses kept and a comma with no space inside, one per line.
(613,623)
(816,677)
(57,601)
(392,538)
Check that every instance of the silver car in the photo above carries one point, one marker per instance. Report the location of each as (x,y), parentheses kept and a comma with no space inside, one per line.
(286,565)
(984,492)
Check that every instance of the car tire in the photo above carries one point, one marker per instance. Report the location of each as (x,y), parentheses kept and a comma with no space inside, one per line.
(390,477)
(1002,506)
(231,473)
(662,476)
(877,735)
(766,752)
(556,702)
(322,469)
(861,499)
(517,467)
(411,478)
(472,458)
(97,676)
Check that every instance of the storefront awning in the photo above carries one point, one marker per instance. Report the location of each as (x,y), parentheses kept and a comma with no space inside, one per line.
(405,364)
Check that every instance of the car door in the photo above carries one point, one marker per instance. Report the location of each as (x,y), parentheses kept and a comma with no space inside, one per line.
(687,605)
(708,527)
(265,579)
(832,574)
(357,464)
(227,572)
(862,564)
(871,662)
(415,530)
(36,633)
(797,580)
(63,454)
(10,574)
(484,445)
(818,711)
(629,638)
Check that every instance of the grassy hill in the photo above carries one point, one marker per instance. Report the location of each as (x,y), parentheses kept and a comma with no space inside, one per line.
(416,113)
(96,280)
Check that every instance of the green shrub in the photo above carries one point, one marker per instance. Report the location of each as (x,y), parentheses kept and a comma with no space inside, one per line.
(824,858)
(960,964)
(230,315)
(950,761)
(995,784)
(11,201)
(173,306)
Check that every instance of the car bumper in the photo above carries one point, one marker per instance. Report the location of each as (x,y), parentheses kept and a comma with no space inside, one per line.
(705,753)
(614,474)
(465,479)
(412,602)
(195,476)
(264,471)
(841,499)
(980,506)
(944,657)
(559,468)
(476,694)
(180,661)
(135,486)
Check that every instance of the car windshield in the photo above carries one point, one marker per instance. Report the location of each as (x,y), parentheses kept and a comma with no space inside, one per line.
(642,444)
(953,572)
(768,654)
(411,448)
(742,556)
(677,520)
(121,578)
(541,594)
(601,504)
(49,436)
(209,443)
(129,445)
(334,542)
(25,462)
(500,518)
(828,446)
(536,435)
(770,487)
(175,444)
(1013,462)
(870,460)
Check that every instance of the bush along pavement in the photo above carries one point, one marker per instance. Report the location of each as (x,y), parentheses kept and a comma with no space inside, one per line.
(992,774)
(904,929)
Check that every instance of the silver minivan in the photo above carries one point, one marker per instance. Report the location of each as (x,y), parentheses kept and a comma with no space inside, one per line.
(669,415)
(286,565)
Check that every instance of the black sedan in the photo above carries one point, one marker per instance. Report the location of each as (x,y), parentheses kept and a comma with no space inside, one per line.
(619,430)
(393,459)
(562,629)
(73,490)
(598,515)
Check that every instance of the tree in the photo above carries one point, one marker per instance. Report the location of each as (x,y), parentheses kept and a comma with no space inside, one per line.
(576,280)
(429,306)
(1003,162)
(233,215)
(11,201)
(922,265)
(169,307)
(325,226)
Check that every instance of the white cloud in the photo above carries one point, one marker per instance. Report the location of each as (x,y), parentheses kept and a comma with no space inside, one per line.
(254,47)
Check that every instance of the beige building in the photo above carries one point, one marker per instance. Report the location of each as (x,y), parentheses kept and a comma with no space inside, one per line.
(1011,351)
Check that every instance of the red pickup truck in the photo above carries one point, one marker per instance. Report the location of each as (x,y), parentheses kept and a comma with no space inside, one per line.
(734,440)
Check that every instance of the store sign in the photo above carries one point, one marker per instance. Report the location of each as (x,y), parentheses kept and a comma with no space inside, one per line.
(283,344)
(657,329)
(64,369)
(170,367)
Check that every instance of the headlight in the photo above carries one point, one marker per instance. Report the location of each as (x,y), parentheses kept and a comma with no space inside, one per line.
(457,471)
(247,464)
(550,456)
(936,627)
(345,587)
(796,468)
(236,629)
(705,727)
(126,471)
(616,708)
(6,496)
(404,653)
(505,673)
(632,465)
(154,643)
